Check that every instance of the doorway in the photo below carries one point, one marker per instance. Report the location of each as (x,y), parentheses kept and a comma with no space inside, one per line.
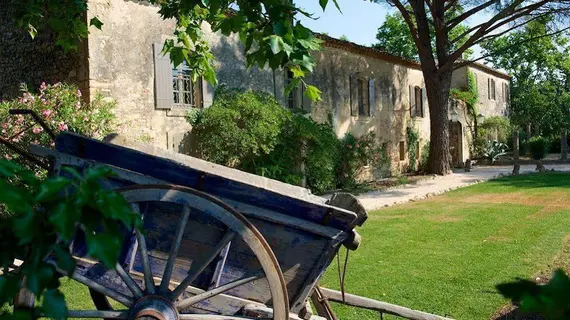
(456,143)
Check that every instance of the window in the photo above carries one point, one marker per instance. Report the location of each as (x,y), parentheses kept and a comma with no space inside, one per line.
(296,98)
(506,95)
(402,150)
(417,101)
(185,92)
(174,88)
(492,95)
(363,98)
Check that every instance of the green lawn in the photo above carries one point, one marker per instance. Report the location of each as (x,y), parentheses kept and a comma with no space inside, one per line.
(445,255)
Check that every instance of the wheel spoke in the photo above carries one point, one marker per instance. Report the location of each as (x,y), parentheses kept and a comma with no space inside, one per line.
(119,297)
(219,290)
(148,280)
(211,317)
(194,272)
(123,314)
(128,280)
(174,250)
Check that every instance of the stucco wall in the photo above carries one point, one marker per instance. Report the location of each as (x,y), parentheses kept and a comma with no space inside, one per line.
(489,107)
(332,76)
(122,67)
(33,61)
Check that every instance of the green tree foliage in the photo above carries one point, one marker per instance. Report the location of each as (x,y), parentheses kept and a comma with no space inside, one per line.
(28,233)
(549,300)
(538,147)
(239,127)
(394,36)
(540,66)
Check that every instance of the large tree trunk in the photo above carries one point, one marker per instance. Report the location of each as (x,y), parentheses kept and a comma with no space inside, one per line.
(438,98)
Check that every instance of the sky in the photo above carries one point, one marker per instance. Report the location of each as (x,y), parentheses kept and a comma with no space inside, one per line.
(359,20)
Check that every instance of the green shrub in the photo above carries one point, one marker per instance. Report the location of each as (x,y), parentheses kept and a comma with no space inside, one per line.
(538,147)
(250,131)
(303,141)
(413,139)
(356,154)
(496,128)
(424,158)
(61,107)
(239,127)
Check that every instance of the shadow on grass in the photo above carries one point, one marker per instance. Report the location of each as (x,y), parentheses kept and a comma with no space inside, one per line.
(535,180)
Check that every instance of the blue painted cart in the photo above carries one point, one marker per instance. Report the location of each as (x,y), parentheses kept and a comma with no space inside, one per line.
(218,243)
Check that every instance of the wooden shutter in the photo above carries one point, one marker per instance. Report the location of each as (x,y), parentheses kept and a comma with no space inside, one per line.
(422,107)
(412,101)
(371,98)
(353,96)
(307,104)
(163,94)
(489,88)
(207,94)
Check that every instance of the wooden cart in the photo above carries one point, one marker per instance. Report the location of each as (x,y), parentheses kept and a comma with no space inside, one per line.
(218,243)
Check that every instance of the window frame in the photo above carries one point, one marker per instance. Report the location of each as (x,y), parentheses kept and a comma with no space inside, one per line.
(177,77)
(363,96)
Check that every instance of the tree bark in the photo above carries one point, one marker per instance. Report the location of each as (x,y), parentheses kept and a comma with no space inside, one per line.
(528,136)
(564,144)
(438,98)
(516,148)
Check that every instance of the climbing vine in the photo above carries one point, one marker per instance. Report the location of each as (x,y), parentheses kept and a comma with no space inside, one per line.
(469,95)
(413,138)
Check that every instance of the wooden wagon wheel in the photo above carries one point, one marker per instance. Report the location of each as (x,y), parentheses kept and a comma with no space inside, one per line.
(161,303)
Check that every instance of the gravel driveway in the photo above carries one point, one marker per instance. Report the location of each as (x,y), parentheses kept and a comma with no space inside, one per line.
(440,184)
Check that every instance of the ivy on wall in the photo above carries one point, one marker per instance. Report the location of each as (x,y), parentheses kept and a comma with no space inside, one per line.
(469,95)
(413,138)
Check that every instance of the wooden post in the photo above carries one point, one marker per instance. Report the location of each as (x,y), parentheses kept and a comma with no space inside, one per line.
(528,136)
(516,148)
(564,145)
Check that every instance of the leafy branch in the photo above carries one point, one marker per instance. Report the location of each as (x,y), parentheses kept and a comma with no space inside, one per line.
(40,219)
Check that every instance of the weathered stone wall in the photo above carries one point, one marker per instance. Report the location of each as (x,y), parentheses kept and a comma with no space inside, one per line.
(490,107)
(122,67)
(332,75)
(33,61)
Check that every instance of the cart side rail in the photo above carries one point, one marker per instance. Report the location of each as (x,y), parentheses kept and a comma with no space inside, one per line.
(382,307)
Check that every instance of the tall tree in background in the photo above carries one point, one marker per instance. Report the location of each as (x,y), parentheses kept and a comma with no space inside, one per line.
(394,37)
(272,36)
(540,67)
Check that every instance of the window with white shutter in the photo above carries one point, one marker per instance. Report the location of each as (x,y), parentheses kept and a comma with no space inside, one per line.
(173,86)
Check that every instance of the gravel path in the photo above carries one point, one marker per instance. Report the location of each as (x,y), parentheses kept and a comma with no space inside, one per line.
(441,184)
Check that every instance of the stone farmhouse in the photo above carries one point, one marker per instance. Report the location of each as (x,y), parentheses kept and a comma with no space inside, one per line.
(364,89)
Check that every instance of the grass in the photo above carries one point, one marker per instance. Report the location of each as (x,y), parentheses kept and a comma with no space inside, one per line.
(446,254)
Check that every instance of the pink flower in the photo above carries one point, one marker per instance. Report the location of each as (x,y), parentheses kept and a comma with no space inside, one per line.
(20,119)
(349,146)
(62,126)
(3,130)
(78,93)
(346,175)
(78,105)
(4,125)
(37,130)
(36,142)
(358,145)
(52,144)
(46,113)
(7,157)
(43,86)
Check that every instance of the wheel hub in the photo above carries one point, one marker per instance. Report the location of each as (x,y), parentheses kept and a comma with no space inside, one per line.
(153,308)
